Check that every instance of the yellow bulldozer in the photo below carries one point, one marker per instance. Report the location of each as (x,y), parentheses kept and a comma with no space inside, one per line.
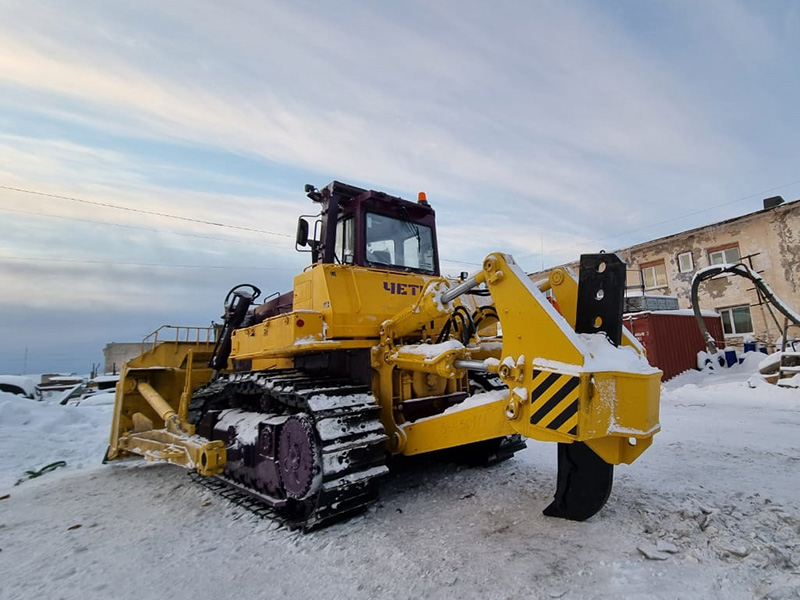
(300,401)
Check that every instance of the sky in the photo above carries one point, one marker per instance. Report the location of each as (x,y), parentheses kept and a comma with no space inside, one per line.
(153,154)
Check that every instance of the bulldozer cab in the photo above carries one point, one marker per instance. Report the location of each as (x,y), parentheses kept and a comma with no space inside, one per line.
(370,229)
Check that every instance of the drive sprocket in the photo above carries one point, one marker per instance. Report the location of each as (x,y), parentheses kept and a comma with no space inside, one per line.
(299,460)
(311,448)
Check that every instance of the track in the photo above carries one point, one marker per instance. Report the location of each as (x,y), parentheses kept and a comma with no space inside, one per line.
(310,449)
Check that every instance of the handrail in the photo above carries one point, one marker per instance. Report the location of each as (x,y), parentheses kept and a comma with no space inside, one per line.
(182,333)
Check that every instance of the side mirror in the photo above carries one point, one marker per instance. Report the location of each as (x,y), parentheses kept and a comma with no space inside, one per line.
(301,238)
(313,193)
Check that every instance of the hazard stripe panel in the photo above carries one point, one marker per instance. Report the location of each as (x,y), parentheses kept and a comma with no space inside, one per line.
(554,401)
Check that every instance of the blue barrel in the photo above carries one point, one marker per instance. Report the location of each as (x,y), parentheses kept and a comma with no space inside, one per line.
(730,357)
(749,346)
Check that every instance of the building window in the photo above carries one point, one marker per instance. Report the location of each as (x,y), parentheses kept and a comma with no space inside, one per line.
(654,274)
(723,254)
(736,320)
(685,262)
(633,280)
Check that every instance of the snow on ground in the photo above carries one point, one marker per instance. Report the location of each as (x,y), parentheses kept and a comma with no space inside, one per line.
(715,497)
(34,434)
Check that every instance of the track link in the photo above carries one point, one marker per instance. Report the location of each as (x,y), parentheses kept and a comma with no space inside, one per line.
(349,441)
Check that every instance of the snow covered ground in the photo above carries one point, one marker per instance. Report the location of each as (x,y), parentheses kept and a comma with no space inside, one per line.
(715,499)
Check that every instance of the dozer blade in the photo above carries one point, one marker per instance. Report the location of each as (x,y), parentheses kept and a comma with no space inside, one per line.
(584,483)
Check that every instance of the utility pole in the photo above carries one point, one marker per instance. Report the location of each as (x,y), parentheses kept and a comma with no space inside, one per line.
(541,247)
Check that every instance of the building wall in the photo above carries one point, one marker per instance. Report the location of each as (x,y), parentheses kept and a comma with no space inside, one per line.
(117,354)
(771,238)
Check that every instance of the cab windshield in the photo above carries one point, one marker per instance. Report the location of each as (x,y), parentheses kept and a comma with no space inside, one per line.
(399,243)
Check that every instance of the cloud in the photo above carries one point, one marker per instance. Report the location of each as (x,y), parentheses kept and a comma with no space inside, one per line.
(342,108)
(101,176)
(557,104)
(57,254)
(568,126)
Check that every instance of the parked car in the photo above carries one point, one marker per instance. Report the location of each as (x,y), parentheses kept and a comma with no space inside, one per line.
(18,384)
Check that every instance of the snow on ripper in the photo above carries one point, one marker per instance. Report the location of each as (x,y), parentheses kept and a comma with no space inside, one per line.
(300,400)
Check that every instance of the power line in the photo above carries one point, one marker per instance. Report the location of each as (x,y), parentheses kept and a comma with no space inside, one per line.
(460,262)
(141,210)
(703,210)
(195,235)
(691,214)
(170,266)
(135,264)
(25,212)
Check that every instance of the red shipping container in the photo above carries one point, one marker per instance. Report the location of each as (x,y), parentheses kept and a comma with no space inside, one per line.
(672,338)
